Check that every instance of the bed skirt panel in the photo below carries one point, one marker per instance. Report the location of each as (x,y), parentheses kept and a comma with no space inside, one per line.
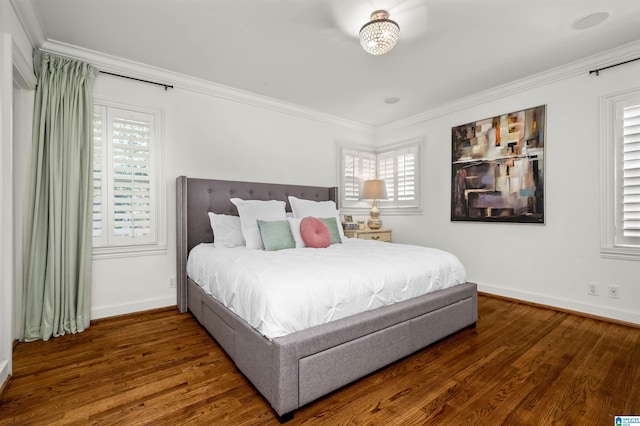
(331,369)
(294,370)
(251,352)
(224,334)
(443,322)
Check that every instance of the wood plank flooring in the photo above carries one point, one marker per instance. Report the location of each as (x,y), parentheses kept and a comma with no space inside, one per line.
(521,365)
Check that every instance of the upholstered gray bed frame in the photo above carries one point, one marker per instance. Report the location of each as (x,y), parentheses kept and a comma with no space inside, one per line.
(294,370)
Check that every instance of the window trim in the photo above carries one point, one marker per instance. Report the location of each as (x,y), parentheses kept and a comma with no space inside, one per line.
(610,155)
(363,207)
(158,167)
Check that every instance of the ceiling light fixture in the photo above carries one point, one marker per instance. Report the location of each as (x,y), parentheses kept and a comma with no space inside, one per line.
(380,34)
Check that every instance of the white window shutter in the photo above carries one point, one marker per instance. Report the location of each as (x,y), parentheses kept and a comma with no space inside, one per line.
(387,172)
(399,170)
(620,175)
(131,201)
(398,166)
(631,175)
(357,167)
(407,174)
(350,176)
(98,169)
(125,197)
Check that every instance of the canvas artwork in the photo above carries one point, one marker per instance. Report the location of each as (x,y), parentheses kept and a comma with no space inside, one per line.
(497,171)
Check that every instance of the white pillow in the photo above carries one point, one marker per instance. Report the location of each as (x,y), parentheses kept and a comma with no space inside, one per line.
(226,230)
(320,209)
(252,210)
(294,224)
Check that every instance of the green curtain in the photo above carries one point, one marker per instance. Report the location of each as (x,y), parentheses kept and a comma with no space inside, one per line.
(57,277)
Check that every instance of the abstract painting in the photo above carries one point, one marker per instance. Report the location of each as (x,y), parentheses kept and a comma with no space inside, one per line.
(497,169)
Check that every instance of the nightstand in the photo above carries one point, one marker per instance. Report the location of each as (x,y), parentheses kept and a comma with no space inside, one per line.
(381,234)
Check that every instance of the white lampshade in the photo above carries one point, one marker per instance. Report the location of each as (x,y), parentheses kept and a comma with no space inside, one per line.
(374,189)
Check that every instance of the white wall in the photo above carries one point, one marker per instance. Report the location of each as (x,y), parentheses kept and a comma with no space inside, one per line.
(551,263)
(15,73)
(6,259)
(23,102)
(211,137)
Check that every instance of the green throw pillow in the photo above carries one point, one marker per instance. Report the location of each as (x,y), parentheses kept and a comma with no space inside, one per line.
(332,224)
(276,235)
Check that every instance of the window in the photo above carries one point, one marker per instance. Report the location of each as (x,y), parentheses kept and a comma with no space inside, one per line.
(357,166)
(621,175)
(398,168)
(127,201)
(397,165)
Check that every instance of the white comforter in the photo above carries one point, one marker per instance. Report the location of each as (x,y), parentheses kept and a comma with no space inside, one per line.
(280,292)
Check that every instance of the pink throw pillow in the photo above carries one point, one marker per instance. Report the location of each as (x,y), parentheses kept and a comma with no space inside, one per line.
(314,233)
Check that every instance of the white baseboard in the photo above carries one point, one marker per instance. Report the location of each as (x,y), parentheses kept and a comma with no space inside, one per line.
(4,373)
(128,308)
(614,314)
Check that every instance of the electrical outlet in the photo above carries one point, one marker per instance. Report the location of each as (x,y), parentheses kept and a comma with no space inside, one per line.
(592,289)
(172,282)
(614,292)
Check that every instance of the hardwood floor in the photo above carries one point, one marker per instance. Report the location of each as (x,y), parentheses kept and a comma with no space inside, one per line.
(521,365)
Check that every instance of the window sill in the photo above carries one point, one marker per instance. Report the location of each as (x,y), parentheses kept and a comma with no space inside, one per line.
(384,211)
(621,253)
(132,251)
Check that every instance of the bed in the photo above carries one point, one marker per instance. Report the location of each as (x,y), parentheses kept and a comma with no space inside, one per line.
(298,368)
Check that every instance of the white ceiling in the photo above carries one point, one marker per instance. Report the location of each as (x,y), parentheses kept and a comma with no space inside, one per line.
(306,52)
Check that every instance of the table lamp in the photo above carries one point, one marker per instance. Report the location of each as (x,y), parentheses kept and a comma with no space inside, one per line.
(375,190)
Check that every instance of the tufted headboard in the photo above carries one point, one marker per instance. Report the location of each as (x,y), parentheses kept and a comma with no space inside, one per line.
(197,197)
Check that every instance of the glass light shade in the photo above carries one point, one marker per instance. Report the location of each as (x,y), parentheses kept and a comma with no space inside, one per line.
(380,34)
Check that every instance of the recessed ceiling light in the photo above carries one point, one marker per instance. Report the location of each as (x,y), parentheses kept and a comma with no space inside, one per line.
(392,100)
(589,21)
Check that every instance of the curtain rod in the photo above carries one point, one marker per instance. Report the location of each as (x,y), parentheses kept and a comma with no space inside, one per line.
(166,86)
(597,72)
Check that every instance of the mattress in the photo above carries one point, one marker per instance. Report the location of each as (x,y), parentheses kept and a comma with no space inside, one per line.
(281,292)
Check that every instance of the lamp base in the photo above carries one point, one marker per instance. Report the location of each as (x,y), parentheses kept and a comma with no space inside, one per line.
(374,223)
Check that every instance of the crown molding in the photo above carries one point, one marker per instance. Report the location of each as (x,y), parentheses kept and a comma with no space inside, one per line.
(30,20)
(143,71)
(22,72)
(581,66)
(139,70)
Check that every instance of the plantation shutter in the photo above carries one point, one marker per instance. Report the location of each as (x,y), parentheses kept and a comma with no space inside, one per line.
(398,168)
(98,169)
(631,175)
(387,172)
(132,201)
(350,176)
(620,178)
(407,174)
(358,166)
(124,201)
